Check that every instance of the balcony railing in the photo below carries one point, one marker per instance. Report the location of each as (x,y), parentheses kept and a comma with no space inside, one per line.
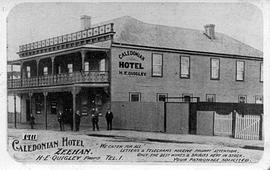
(88,36)
(60,79)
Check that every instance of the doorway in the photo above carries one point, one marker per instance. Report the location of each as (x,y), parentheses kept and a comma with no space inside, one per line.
(68,109)
(27,110)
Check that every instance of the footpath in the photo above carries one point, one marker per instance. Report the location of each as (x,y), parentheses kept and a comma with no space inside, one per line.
(154,137)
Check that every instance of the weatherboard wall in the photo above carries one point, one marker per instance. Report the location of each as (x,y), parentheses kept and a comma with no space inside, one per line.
(227,89)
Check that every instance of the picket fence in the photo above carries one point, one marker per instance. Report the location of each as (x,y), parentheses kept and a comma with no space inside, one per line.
(245,127)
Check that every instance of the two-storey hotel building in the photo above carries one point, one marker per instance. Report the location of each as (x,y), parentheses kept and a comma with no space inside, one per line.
(128,60)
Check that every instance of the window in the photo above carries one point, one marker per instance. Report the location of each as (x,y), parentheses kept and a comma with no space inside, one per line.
(38,104)
(157,65)
(240,70)
(102,65)
(45,71)
(86,66)
(187,97)
(53,107)
(214,69)
(210,97)
(70,68)
(161,97)
(261,73)
(14,69)
(259,99)
(28,71)
(59,69)
(184,67)
(134,97)
(242,99)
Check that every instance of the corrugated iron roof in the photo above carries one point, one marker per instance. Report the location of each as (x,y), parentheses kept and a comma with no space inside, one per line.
(132,31)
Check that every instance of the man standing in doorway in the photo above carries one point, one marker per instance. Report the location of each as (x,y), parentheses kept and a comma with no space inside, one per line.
(109,117)
(61,120)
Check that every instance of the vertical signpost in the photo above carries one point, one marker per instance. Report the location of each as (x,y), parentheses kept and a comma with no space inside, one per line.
(15,115)
(75,91)
(45,109)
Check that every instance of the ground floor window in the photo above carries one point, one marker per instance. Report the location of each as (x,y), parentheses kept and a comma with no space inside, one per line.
(162,97)
(259,99)
(53,107)
(38,104)
(210,97)
(187,97)
(134,97)
(98,100)
(242,99)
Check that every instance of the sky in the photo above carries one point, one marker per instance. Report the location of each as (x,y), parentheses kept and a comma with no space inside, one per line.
(29,22)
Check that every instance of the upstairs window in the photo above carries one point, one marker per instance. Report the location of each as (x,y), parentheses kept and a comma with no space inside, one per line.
(261,73)
(70,68)
(59,69)
(102,65)
(28,71)
(45,71)
(214,69)
(157,65)
(98,99)
(134,97)
(86,66)
(240,70)
(184,67)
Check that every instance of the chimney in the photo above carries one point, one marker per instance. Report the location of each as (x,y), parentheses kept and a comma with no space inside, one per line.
(210,31)
(85,22)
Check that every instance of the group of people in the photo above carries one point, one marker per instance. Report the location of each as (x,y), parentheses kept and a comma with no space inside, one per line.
(60,118)
(94,117)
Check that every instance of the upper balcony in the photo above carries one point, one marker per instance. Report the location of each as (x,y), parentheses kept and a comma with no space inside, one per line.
(60,79)
(85,66)
(77,58)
